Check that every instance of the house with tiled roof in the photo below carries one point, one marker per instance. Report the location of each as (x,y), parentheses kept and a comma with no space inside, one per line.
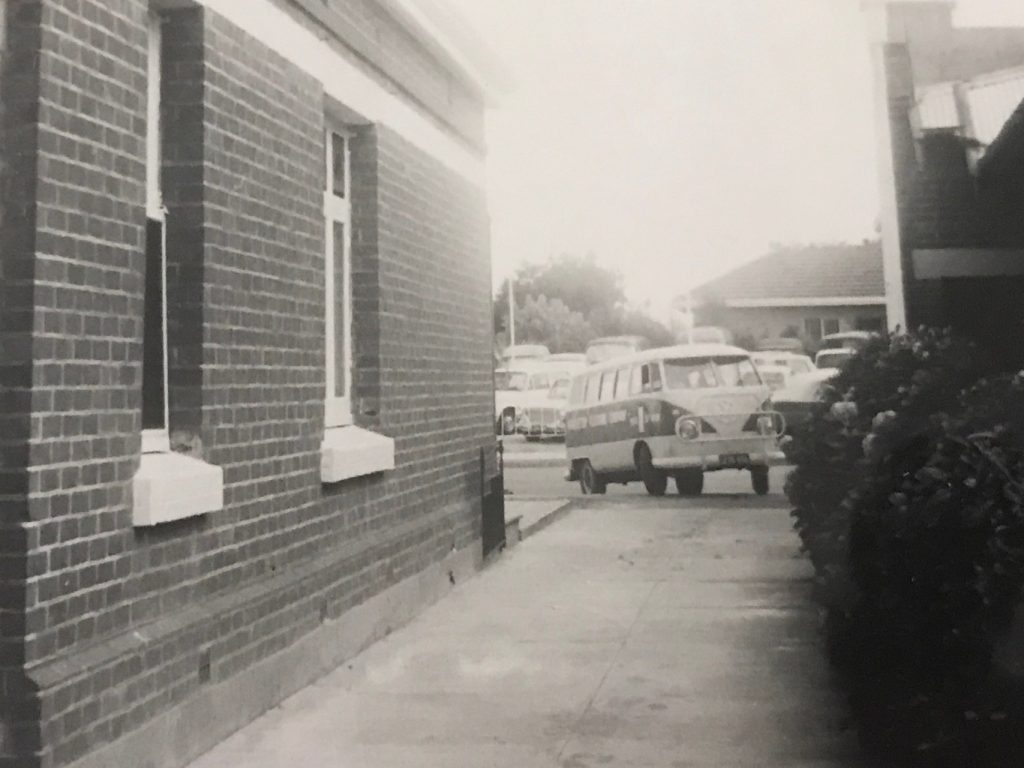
(949,104)
(805,291)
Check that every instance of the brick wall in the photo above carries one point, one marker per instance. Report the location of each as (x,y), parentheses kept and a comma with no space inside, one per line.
(125,623)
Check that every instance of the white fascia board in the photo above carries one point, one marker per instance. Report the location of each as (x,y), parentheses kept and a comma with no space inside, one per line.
(344,81)
(819,301)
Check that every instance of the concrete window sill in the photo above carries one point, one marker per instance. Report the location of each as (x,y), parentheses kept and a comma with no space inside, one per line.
(173,486)
(348,452)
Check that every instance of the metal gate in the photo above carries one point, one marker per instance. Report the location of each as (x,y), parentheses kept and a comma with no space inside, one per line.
(492,501)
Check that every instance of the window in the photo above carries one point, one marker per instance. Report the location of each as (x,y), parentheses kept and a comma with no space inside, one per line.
(578,386)
(689,373)
(593,386)
(154,326)
(812,328)
(869,324)
(736,372)
(650,378)
(338,279)
(607,386)
(636,381)
(831,325)
(622,384)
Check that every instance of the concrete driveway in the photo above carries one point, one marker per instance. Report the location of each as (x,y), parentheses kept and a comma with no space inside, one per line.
(631,632)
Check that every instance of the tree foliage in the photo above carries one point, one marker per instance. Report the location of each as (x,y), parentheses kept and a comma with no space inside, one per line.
(569,300)
(541,320)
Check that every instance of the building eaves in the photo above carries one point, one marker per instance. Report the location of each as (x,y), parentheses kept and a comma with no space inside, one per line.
(452,39)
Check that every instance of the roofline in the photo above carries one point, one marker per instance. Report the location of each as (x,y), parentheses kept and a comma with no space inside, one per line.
(811,301)
(437,27)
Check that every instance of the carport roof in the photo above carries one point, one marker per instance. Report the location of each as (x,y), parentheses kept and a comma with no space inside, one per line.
(806,275)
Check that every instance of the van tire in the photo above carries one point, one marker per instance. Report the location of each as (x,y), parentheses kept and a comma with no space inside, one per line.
(759,480)
(654,480)
(590,481)
(690,482)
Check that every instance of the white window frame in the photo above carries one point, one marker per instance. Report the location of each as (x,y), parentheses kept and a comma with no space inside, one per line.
(156,440)
(337,410)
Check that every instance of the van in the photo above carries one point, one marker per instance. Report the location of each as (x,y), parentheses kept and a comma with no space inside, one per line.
(672,412)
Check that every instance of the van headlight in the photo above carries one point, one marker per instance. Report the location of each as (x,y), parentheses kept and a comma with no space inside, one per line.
(687,428)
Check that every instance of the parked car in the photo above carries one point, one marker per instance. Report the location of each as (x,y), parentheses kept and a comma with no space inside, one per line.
(524,352)
(796,400)
(709,334)
(775,376)
(855,340)
(833,358)
(781,344)
(567,358)
(608,347)
(543,413)
(796,364)
(515,387)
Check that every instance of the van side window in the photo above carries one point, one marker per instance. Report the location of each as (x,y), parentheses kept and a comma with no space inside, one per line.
(655,377)
(651,378)
(622,384)
(635,383)
(607,385)
(593,385)
(576,393)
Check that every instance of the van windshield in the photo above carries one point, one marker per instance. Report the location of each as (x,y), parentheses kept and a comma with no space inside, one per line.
(510,381)
(707,372)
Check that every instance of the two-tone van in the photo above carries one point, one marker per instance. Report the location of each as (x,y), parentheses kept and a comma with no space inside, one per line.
(671,412)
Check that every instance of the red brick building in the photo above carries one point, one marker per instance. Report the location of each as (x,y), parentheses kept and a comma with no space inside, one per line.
(948,108)
(246,395)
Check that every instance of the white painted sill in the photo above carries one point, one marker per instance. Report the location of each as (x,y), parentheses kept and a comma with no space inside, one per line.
(348,452)
(173,486)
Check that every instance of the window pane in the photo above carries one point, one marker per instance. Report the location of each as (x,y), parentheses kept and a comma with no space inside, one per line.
(832,325)
(593,383)
(153,374)
(635,384)
(622,383)
(655,377)
(737,372)
(689,373)
(340,306)
(812,327)
(338,164)
(607,385)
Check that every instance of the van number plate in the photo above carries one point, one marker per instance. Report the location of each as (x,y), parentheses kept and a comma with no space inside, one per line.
(734,460)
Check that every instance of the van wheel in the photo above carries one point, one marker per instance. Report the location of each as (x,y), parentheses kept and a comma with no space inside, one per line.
(690,482)
(590,481)
(759,479)
(655,481)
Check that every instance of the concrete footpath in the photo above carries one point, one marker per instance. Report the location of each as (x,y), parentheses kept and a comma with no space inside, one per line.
(630,632)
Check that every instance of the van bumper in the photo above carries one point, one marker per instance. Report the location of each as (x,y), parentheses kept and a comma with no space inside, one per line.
(721,454)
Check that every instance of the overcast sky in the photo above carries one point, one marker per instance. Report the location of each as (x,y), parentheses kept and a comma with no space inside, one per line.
(676,139)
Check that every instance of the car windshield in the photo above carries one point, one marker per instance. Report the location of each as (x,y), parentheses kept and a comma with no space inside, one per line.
(832,359)
(707,372)
(514,381)
(799,365)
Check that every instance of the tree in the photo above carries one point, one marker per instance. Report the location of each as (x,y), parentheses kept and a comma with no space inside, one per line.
(578,281)
(543,321)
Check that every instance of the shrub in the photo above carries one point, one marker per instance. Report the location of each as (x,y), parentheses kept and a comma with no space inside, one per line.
(907,496)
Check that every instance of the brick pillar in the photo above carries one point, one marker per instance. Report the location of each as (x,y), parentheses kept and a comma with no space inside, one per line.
(19,108)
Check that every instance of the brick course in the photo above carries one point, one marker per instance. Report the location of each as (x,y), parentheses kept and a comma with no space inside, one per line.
(120,623)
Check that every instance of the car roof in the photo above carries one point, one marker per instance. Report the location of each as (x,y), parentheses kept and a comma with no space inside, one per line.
(680,350)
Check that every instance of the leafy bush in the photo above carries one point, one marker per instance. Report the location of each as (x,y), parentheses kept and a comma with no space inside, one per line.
(908,499)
